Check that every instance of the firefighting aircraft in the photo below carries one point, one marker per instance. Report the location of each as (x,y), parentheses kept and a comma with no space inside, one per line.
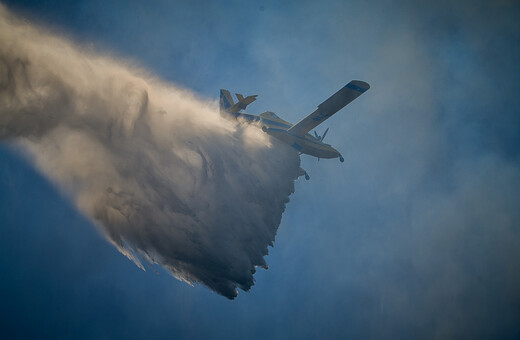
(296,135)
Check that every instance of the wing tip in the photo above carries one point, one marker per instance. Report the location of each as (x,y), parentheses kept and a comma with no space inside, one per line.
(358,85)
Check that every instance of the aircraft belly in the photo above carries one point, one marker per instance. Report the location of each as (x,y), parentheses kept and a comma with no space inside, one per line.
(304,145)
(320,151)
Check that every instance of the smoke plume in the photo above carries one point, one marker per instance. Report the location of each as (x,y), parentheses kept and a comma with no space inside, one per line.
(164,177)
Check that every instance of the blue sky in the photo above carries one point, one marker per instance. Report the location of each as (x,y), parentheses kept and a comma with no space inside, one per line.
(416,235)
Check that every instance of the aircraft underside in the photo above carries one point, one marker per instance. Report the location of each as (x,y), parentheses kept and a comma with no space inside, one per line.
(296,135)
(307,145)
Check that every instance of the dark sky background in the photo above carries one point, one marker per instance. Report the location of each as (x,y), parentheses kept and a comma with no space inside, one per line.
(416,235)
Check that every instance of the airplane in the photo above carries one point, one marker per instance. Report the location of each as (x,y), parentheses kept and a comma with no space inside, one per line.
(296,135)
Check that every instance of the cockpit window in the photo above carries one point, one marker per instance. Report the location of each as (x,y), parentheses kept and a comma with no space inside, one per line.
(269,114)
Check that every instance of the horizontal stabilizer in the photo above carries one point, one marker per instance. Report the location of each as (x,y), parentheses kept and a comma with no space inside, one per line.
(329,107)
(248,100)
(228,105)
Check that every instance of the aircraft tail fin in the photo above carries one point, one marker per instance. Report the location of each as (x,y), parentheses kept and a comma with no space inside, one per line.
(226,101)
(247,100)
(228,106)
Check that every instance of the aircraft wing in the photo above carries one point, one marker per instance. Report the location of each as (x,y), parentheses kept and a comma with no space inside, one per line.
(329,107)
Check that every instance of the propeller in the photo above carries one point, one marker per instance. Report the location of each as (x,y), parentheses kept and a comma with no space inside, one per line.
(324,134)
(320,138)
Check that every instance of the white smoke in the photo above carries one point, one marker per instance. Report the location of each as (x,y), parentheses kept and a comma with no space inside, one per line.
(157,169)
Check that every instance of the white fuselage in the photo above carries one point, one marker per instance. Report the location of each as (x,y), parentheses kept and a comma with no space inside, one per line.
(277,127)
